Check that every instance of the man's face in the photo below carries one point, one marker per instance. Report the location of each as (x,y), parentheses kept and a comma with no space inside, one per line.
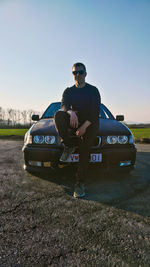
(79,74)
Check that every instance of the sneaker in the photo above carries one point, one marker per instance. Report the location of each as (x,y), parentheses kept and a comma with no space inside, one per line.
(67,151)
(79,190)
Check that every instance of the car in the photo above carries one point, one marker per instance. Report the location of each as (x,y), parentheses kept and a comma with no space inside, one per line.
(113,147)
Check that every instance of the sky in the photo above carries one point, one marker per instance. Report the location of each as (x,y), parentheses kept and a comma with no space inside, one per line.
(40,40)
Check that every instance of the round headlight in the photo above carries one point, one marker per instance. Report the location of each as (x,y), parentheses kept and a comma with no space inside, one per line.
(122,139)
(50,139)
(112,140)
(39,139)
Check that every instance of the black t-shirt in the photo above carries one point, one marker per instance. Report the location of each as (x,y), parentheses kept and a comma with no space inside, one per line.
(85,101)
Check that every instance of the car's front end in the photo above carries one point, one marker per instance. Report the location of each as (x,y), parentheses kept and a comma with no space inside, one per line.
(113,147)
(42,149)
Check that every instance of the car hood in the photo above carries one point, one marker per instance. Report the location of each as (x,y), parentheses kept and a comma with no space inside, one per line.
(44,127)
(112,127)
(106,127)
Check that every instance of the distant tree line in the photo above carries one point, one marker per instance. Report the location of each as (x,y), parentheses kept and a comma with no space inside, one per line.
(139,125)
(15,117)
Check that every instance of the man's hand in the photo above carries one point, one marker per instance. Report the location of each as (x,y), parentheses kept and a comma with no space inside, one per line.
(73,119)
(82,129)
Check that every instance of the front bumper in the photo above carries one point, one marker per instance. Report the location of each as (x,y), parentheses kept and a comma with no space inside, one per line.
(112,157)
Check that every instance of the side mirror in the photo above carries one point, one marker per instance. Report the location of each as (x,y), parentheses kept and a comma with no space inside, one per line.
(120,117)
(35,117)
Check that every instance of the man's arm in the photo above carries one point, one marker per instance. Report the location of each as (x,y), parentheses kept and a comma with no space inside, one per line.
(65,102)
(73,119)
(66,106)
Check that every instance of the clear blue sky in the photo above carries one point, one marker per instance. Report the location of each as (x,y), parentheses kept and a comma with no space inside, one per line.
(40,40)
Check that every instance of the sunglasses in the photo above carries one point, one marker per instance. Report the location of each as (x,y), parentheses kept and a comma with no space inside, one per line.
(81,72)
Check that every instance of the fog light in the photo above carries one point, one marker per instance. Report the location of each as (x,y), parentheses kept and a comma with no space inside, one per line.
(125,163)
(35,163)
(47,164)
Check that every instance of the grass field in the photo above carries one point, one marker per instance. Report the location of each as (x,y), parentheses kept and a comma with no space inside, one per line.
(20,132)
(138,133)
(141,133)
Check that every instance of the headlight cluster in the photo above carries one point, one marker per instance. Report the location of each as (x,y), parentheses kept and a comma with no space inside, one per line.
(41,139)
(27,138)
(121,139)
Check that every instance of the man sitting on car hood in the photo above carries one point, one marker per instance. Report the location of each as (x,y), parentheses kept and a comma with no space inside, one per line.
(79,116)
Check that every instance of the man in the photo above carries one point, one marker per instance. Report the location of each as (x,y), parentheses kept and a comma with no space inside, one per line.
(78,123)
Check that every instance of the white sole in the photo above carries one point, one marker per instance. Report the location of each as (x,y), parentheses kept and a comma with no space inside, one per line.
(80,196)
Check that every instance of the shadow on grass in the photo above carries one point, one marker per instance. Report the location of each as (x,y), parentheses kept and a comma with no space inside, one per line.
(127,191)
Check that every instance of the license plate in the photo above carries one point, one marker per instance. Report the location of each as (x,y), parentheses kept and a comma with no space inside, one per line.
(93,158)
(46,164)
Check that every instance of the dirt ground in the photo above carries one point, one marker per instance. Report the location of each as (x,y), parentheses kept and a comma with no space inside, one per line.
(41,224)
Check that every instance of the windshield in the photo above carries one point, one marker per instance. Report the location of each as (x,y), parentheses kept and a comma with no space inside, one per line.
(50,111)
